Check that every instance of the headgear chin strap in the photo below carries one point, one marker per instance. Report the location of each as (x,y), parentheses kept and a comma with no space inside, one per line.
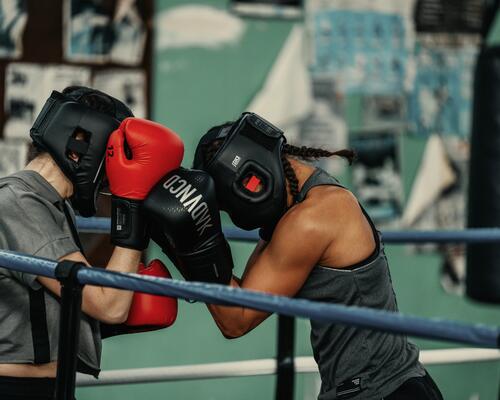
(55,131)
(247,170)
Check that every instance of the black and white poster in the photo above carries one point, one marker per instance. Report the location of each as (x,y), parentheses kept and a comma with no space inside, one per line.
(13,17)
(325,127)
(376,175)
(128,86)
(104,31)
(27,87)
(13,158)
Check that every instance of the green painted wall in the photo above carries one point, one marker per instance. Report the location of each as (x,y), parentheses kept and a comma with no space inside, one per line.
(194,89)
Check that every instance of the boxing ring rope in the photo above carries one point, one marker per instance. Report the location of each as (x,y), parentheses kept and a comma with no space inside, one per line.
(260,367)
(77,275)
(475,235)
(74,275)
(480,335)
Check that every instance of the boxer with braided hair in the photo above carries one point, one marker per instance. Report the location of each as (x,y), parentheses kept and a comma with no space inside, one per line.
(317,243)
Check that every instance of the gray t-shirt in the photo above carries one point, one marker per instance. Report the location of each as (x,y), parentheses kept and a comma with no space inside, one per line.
(32,221)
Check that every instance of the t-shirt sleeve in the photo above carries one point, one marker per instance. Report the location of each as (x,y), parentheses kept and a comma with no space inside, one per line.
(57,248)
(35,227)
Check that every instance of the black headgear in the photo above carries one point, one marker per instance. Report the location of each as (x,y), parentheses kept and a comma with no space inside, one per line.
(54,131)
(247,170)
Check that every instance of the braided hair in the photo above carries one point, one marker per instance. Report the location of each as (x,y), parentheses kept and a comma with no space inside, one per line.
(307,154)
(302,152)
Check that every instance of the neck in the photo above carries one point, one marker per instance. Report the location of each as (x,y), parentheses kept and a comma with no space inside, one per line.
(45,165)
(303,172)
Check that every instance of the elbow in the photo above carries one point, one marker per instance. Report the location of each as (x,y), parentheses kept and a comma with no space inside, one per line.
(113,316)
(233,331)
(118,318)
(104,306)
(231,335)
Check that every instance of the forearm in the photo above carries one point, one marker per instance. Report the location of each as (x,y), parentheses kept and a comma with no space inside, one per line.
(116,302)
(267,271)
(235,321)
(232,321)
(259,248)
(107,304)
(102,303)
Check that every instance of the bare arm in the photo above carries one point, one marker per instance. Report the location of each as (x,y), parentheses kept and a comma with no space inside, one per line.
(310,233)
(257,251)
(104,304)
(280,267)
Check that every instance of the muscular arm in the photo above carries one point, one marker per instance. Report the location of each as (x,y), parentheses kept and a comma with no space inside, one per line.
(280,267)
(104,304)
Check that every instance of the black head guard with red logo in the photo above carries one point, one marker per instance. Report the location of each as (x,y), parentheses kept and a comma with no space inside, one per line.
(247,170)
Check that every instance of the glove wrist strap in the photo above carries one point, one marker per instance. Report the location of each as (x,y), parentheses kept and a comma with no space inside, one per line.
(128,226)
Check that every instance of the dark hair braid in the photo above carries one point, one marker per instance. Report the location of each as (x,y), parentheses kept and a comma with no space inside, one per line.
(309,153)
(290,176)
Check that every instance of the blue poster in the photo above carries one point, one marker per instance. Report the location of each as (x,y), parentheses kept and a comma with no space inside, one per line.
(364,51)
(441,101)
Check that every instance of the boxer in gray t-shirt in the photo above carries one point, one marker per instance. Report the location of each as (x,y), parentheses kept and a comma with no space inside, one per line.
(70,137)
(33,222)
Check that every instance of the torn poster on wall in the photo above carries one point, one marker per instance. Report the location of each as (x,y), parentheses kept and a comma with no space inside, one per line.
(197,25)
(438,202)
(376,175)
(27,87)
(325,127)
(13,17)
(13,158)
(101,32)
(441,101)
(127,85)
(366,45)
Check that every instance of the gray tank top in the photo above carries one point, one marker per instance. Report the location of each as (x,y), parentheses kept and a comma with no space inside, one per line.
(357,363)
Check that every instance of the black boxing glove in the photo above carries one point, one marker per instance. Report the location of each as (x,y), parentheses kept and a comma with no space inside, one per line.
(185,223)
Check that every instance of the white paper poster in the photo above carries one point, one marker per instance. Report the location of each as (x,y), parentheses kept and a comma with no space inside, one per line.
(13,156)
(376,176)
(96,32)
(13,17)
(27,87)
(128,86)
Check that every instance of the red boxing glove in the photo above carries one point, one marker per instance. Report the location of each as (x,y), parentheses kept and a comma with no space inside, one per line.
(147,312)
(150,311)
(139,153)
(153,151)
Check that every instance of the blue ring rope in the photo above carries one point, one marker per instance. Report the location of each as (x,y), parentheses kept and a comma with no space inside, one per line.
(477,235)
(430,328)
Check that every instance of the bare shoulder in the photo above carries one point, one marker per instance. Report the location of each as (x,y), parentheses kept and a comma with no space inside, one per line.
(329,227)
(332,204)
(316,217)
(302,217)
